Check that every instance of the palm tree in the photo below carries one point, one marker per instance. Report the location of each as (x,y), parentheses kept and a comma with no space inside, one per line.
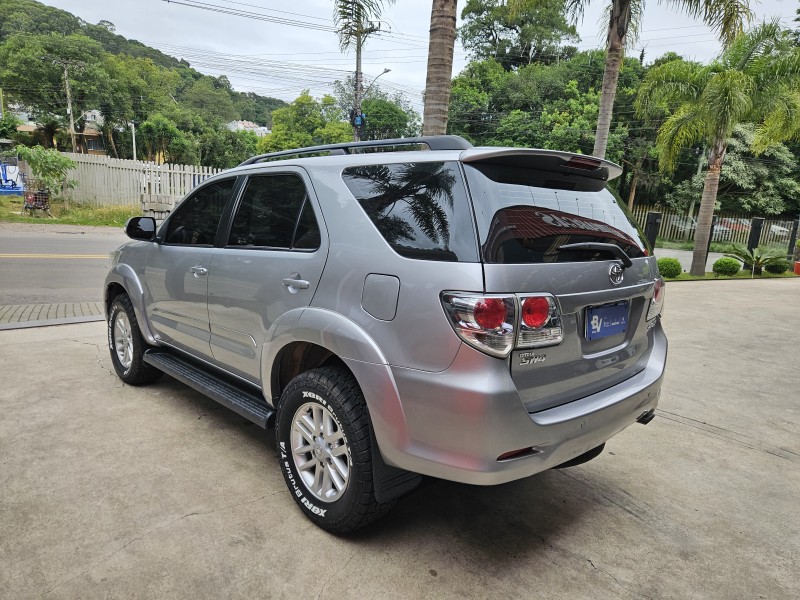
(756,79)
(726,17)
(440,66)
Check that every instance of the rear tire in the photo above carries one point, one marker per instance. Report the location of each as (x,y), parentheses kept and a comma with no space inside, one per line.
(126,344)
(323,436)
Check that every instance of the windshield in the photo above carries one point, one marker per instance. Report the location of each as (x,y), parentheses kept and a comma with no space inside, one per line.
(522,223)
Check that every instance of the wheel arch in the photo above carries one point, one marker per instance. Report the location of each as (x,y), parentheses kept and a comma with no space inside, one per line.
(123,279)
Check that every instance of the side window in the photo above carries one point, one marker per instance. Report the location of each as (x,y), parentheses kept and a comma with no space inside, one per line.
(275,212)
(196,220)
(421,209)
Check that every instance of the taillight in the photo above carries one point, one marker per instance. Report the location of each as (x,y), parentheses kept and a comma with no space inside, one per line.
(657,302)
(494,323)
(540,324)
(483,322)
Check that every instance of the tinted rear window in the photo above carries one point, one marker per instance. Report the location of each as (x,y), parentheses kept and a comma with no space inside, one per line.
(522,223)
(421,209)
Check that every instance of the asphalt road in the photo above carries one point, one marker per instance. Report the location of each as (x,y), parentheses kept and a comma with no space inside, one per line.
(54,263)
(111,491)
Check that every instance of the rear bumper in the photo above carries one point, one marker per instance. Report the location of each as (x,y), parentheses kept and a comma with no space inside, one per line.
(456,423)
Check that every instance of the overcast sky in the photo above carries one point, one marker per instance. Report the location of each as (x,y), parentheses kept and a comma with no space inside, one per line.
(281,59)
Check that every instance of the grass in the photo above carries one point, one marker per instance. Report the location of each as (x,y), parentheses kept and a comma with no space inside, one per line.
(73,214)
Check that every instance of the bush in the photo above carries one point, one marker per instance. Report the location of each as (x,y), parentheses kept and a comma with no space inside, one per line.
(669,267)
(778,267)
(726,266)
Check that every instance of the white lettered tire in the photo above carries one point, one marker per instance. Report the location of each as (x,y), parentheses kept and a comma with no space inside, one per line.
(324,449)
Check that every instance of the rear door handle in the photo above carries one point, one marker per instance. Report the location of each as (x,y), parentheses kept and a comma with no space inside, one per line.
(299,284)
(198,271)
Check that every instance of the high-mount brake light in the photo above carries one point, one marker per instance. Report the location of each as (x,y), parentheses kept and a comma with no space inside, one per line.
(495,323)
(657,303)
(583,162)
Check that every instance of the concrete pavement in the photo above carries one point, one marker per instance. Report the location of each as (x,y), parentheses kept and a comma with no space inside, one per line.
(157,492)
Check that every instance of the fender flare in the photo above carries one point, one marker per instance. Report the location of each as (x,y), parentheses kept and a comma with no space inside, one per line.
(125,276)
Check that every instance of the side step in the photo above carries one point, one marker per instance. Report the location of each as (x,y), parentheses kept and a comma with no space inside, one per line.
(240,401)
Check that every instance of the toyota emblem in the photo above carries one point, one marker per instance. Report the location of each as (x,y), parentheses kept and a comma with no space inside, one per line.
(616,273)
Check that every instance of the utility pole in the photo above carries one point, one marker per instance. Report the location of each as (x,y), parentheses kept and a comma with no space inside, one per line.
(69,107)
(356,117)
(133,136)
(2,105)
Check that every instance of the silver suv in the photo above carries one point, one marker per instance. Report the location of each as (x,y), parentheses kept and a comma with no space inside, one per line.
(398,309)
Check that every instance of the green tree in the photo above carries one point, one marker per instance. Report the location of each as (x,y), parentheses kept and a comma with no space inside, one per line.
(754,80)
(49,167)
(211,98)
(726,17)
(33,70)
(164,142)
(531,32)
(306,122)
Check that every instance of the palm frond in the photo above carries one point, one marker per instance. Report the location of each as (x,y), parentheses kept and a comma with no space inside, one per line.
(727,18)
(352,17)
(727,99)
(684,128)
(674,82)
(746,50)
(782,121)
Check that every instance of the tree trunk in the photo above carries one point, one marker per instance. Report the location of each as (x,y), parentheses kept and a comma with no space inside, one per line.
(615,52)
(440,67)
(110,134)
(632,194)
(706,213)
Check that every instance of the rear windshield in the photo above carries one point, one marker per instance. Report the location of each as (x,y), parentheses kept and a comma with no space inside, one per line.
(522,223)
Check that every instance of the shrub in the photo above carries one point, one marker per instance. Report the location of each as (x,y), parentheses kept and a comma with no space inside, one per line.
(669,267)
(726,266)
(778,267)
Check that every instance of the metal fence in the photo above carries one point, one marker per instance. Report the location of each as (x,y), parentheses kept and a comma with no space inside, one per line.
(730,227)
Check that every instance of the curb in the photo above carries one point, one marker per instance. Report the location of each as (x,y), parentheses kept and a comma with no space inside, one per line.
(50,322)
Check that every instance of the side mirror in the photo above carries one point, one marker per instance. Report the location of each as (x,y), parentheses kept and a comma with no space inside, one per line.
(141,228)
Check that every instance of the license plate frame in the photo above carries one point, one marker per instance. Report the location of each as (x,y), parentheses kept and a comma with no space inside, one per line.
(606,320)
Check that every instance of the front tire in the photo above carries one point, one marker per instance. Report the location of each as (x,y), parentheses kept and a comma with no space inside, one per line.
(325,454)
(126,344)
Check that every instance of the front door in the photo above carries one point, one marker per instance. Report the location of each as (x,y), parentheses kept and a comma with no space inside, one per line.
(271,264)
(176,273)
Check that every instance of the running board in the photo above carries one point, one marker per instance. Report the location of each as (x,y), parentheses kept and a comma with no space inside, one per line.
(240,401)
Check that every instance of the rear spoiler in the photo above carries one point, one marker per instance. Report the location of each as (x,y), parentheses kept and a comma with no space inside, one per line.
(579,170)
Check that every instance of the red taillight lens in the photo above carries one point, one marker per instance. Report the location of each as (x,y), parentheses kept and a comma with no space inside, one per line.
(535,312)
(658,290)
(484,322)
(490,313)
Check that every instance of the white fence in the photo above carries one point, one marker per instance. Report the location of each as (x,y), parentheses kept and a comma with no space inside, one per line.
(103,180)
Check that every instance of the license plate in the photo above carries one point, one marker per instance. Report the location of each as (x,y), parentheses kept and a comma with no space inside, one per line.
(603,321)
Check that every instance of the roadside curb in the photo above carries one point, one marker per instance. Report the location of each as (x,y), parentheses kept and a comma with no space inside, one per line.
(50,322)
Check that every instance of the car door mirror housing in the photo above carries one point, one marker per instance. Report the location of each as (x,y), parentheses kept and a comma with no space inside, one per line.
(141,228)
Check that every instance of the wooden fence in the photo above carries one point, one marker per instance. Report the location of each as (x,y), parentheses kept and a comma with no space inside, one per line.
(731,227)
(103,180)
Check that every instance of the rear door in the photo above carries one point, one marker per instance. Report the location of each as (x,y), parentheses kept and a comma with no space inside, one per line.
(272,262)
(529,212)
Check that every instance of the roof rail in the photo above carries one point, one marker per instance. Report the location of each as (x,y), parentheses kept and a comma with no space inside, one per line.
(433,142)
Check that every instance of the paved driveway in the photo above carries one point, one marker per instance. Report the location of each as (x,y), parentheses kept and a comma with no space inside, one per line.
(117,492)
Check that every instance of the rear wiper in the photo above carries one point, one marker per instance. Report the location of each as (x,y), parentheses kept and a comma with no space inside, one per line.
(612,248)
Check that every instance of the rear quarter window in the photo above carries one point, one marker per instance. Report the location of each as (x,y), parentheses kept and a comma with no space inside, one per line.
(522,223)
(420,209)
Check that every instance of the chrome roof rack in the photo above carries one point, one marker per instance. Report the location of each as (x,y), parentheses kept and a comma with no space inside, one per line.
(433,142)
